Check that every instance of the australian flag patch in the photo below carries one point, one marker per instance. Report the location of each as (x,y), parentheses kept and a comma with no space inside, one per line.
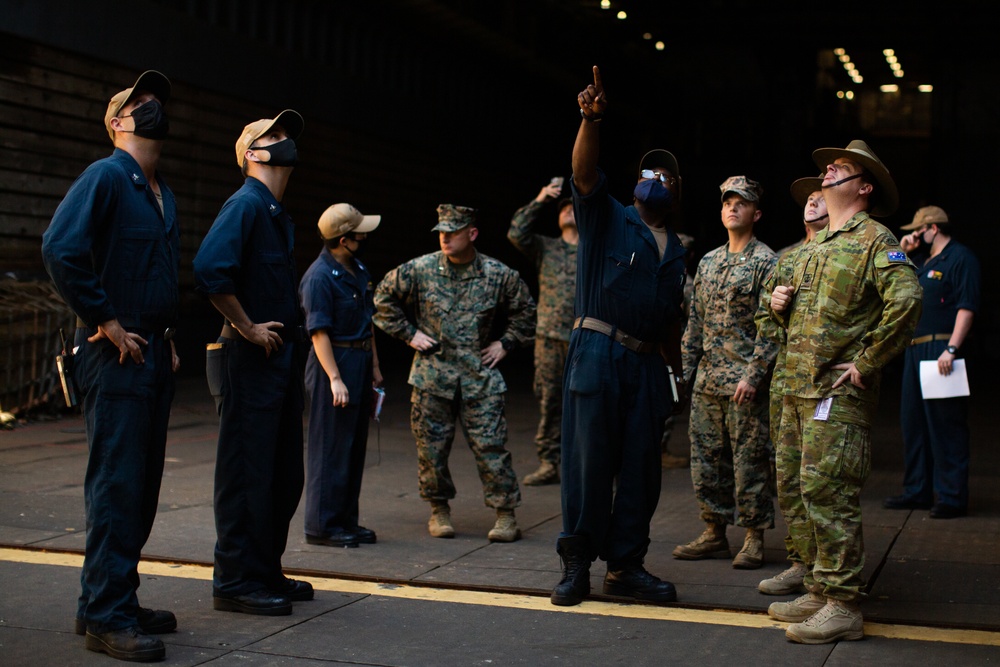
(896,256)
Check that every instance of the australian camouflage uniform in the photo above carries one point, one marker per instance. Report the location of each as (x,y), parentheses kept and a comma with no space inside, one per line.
(771,330)
(458,306)
(857,300)
(730,448)
(555,260)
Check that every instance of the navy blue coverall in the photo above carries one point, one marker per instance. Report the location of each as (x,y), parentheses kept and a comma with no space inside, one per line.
(936,431)
(615,400)
(341,304)
(248,252)
(113,254)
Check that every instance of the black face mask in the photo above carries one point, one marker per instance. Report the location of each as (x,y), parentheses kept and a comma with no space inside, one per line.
(151,121)
(283,153)
(360,248)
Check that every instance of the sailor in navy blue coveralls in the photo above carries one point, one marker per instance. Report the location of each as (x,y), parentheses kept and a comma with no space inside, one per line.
(617,394)
(246,266)
(936,431)
(112,250)
(337,295)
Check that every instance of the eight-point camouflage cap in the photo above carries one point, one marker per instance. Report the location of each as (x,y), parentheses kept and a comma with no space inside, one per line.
(451,218)
(928,215)
(743,186)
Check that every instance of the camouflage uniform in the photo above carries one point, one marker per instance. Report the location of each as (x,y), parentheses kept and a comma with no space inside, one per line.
(769,329)
(730,453)
(857,300)
(457,306)
(555,260)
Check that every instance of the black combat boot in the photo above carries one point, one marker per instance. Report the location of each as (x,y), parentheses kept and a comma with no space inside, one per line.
(632,580)
(575,584)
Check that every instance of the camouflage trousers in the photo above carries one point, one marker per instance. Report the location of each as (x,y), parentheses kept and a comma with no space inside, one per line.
(822,466)
(432,420)
(731,461)
(550,359)
(774,419)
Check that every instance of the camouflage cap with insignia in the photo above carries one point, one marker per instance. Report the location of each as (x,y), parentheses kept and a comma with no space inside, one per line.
(451,218)
(744,187)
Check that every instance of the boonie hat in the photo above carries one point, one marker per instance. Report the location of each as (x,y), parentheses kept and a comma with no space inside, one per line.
(928,215)
(340,219)
(289,119)
(885,197)
(149,81)
(743,186)
(803,187)
(451,218)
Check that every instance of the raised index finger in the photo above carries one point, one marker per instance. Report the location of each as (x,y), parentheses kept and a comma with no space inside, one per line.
(597,79)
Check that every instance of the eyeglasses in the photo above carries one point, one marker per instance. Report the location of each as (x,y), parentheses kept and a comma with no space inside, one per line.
(666,180)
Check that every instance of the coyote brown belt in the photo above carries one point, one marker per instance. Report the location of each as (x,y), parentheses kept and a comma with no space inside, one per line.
(929,337)
(620,336)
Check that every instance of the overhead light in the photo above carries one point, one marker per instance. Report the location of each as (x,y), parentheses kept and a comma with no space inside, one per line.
(889,88)
(839,52)
(660,46)
(605,4)
(925,88)
(622,15)
(647,35)
(894,64)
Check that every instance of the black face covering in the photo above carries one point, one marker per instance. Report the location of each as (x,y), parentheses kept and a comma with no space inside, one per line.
(283,153)
(151,121)
(360,249)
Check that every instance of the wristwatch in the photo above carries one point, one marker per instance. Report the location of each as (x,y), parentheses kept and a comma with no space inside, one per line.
(508,345)
(951,349)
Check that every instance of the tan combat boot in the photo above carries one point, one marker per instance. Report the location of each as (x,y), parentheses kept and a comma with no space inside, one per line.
(670,461)
(751,556)
(440,521)
(837,620)
(710,544)
(789,581)
(505,529)
(798,609)
(547,473)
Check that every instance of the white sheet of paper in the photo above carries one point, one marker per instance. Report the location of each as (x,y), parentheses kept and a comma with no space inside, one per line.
(935,385)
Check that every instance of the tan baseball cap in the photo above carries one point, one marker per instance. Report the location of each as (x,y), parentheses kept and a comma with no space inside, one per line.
(928,215)
(340,219)
(289,119)
(149,81)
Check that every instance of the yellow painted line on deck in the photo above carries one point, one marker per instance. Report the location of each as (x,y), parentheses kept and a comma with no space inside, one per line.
(528,602)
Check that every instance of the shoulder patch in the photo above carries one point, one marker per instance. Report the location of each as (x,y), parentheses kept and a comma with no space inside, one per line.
(896,256)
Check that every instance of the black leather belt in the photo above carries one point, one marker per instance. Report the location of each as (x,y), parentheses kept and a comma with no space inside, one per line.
(620,336)
(930,337)
(365,344)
